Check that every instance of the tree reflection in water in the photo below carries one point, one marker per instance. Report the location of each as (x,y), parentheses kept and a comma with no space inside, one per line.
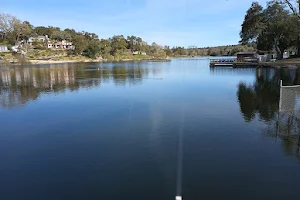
(19,85)
(261,99)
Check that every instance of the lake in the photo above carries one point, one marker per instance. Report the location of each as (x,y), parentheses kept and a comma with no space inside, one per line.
(145,131)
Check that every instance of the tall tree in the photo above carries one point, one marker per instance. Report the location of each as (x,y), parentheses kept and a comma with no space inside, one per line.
(281,27)
(7,24)
(105,48)
(274,25)
(41,30)
(61,35)
(71,32)
(253,23)
(93,49)
(118,44)
(295,7)
(22,30)
(79,43)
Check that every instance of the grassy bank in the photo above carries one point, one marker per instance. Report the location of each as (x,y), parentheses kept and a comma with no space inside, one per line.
(53,57)
(286,63)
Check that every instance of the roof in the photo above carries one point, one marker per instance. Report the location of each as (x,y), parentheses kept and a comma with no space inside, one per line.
(245,53)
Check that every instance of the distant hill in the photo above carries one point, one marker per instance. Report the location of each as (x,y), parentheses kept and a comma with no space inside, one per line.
(229,50)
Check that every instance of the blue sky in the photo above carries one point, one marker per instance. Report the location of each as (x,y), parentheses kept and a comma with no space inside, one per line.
(167,22)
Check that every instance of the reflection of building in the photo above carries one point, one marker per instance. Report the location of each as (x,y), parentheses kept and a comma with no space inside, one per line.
(228,71)
(18,85)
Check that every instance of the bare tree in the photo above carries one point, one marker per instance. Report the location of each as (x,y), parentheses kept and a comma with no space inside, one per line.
(295,10)
(7,23)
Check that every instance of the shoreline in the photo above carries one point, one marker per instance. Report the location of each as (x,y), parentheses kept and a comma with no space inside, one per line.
(292,63)
(286,63)
(45,62)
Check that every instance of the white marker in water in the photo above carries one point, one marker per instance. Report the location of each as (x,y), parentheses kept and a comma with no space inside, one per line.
(178,198)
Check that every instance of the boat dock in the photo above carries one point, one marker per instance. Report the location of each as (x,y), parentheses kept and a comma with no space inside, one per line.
(232,62)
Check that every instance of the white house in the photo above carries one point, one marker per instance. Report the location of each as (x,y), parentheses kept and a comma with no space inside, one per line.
(139,53)
(15,48)
(3,48)
(39,38)
(61,45)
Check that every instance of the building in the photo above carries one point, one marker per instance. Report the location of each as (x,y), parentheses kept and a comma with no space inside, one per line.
(15,48)
(247,57)
(139,53)
(39,38)
(61,45)
(45,40)
(4,48)
(266,56)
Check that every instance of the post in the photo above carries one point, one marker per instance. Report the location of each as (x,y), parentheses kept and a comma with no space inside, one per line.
(180,156)
(298,144)
(278,114)
(280,96)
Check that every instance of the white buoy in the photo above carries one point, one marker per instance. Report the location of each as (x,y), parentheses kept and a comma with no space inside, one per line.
(178,198)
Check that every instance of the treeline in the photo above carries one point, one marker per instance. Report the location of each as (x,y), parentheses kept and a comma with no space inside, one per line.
(13,31)
(273,28)
(229,50)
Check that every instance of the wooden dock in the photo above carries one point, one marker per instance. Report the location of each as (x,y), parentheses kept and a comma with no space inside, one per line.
(232,62)
(236,64)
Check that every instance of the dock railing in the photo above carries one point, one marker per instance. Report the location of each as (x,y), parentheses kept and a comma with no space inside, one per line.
(234,62)
(222,60)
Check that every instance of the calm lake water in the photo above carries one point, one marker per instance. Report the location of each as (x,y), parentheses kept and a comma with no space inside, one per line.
(145,131)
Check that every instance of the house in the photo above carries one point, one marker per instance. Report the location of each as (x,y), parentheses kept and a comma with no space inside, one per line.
(247,57)
(39,38)
(266,56)
(139,53)
(42,38)
(4,48)
(15,48)
(60,45)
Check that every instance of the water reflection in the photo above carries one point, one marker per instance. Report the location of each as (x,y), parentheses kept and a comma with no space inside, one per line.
(229,71)
(262,99)
(19,85)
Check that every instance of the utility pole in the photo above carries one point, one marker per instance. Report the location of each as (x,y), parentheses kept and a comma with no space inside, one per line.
(298,38)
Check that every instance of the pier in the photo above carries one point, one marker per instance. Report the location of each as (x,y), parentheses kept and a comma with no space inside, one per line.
(232,62)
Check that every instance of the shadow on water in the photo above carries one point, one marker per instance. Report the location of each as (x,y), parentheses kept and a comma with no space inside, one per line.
(19,85)
(261,100)
(228,71)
